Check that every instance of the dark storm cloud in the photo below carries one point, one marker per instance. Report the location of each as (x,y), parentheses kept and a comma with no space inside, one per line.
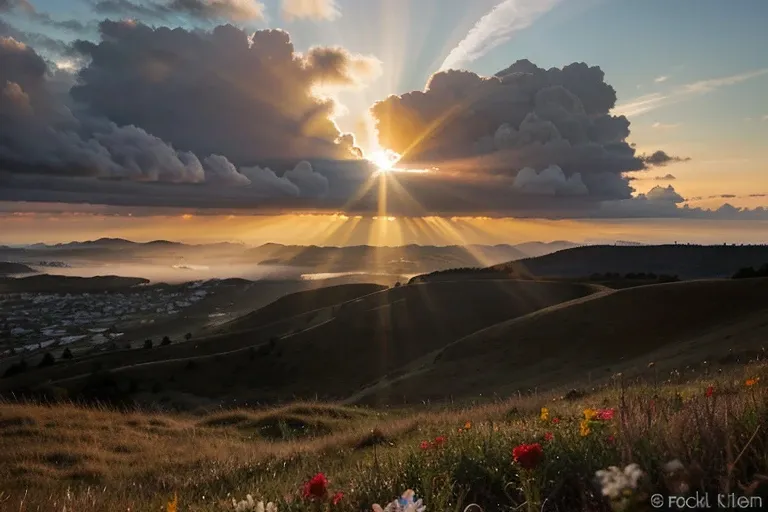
(661,158)
(522,120)
(210,10)
(248,98)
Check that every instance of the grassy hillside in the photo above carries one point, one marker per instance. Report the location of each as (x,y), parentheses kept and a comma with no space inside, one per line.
(677,325)
(57,457)
(328,353)
(685,261)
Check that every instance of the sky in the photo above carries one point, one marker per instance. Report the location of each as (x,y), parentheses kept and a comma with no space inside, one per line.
(384,121)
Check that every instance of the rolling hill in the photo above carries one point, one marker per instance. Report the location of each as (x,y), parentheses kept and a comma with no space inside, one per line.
(674,325)
(9,268)
(684,261)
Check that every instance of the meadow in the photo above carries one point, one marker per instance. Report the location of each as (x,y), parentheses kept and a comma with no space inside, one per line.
(529,452)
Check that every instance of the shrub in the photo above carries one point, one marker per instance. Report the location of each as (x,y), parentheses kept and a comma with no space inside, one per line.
(166,341)
(46,361)
(67,354)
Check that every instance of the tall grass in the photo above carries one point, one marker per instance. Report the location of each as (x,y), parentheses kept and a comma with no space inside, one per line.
(84,459)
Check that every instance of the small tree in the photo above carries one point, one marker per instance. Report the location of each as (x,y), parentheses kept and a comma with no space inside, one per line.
(47,360)
(166,341)
(67,354)
(147,344)
(188,336)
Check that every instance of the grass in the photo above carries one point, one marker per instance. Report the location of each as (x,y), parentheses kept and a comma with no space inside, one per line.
(90,459)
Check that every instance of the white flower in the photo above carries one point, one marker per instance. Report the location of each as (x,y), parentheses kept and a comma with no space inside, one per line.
(405,504)
(616,483)
(674,466)
(249,505)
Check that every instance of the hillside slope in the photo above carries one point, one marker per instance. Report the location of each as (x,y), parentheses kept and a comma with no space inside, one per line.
(673,325)
(339,349)
(685,261)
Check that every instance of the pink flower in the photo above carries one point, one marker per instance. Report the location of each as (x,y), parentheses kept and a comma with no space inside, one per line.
(555,420)
(337,498)
(425,445)
(605,414)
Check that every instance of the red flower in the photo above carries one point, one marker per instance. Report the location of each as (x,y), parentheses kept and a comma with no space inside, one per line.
(337,498)
(555,420)
(425,445)
(710,391)
(317,487)
(528,455)
(605,414)
(549,436)
(439,441)
(610,439)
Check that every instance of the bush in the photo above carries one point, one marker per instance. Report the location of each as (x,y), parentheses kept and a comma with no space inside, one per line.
(46,361)
(167,341)
(147,344)
(187,336)
(67,354)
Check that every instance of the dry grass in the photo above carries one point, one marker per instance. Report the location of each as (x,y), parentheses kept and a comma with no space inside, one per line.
(99,459)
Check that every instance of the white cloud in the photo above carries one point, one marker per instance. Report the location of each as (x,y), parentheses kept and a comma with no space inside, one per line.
(660,79)
(649,102)
(310,9)
(665,126)
(496,28)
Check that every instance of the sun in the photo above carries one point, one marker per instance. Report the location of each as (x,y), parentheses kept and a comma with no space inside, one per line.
(385,160)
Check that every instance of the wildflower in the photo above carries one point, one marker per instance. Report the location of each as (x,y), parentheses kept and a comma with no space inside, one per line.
(407,503)
(710,391)
(674,466)
(584,428)
(337,498)
(468,425)
(439,441)
(549,436)
(751,382)
(589,414)
(610,439)
(617,484)
(605,414)
(249,505)
(317,487)
(172,505)
(544,414)
(528,455)
(425,445)
(555,420)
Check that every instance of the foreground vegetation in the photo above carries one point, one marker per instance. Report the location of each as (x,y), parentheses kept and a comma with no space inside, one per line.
(527,453)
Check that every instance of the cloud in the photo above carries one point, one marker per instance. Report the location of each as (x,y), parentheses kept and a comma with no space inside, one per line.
(659,193)
(317,10)
(37,40)
(661,158)
(309,182)
(648,102)
(765,117)
(496,28)
(660,79)
(210,10)
(523,117)
(666,177)
(550,182)
(665,126)
(27,9)
(248,97)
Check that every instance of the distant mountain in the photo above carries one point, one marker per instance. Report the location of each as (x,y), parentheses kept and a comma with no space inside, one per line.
(8,268)
(685,261)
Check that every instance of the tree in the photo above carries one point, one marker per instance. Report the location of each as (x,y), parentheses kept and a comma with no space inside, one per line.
(397,284)
(67,354)
(188,336)
(147,344)
(47,360)
(165,341)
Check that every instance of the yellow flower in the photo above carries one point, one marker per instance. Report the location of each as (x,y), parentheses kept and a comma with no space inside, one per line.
(544,414)
(584,428)
(752,382)
(467,425)
(589,414)
(171,507)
